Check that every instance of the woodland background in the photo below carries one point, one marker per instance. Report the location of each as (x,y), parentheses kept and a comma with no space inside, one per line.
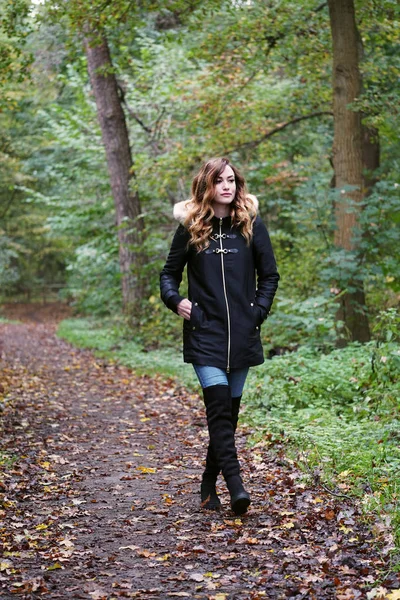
(107,109)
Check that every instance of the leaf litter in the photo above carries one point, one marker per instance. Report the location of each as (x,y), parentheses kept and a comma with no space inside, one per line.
(100,495)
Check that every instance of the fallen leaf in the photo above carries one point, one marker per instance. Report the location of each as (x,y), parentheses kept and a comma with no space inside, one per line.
(196,576)
(288,525)
(146,469)
(54,567)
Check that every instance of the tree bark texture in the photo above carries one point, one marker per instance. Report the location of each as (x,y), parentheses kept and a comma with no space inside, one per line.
(119,160)
(348,155)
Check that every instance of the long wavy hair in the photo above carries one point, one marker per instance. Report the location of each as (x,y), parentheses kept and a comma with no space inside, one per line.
(200,210)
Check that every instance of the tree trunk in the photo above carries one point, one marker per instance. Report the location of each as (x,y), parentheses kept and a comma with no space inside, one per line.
(348,157)
(119,160)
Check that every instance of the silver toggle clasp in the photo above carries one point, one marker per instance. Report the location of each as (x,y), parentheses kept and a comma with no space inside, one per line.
(221,250)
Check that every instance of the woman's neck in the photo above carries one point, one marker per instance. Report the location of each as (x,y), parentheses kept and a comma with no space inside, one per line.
(222,210)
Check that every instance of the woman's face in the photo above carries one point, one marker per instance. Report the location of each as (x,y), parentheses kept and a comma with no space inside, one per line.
(225,188)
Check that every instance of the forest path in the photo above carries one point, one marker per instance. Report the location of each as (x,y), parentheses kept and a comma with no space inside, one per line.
(102,501)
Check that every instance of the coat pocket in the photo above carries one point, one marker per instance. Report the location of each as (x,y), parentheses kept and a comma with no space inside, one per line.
(197,319)
(257,317)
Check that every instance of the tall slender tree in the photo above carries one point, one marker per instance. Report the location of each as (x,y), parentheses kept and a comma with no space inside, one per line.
(348,157)
(119,159)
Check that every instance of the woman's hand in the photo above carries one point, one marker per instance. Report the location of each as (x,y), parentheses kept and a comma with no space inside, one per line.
(184,308)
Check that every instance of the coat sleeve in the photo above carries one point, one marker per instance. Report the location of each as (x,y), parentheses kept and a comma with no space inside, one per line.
(171,275)
(267,273)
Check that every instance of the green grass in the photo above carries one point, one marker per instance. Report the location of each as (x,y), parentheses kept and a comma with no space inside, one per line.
(338,412)
(111,341)
(12,321)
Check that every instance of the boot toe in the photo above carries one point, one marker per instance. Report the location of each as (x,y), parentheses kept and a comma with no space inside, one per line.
(240,503)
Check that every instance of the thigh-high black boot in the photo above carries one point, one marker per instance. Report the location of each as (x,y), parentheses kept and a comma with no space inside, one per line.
(218,403)
(209,496)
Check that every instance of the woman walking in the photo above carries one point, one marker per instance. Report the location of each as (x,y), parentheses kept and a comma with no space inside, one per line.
(232,280)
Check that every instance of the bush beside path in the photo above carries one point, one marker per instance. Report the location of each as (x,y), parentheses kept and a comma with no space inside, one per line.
(100,494)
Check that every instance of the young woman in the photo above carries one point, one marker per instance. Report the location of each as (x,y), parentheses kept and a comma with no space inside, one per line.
(232,279)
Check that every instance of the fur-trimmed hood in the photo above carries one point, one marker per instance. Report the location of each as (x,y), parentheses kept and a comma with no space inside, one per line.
(181,208)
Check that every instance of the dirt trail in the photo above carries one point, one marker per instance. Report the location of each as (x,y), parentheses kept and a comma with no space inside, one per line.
(102,501)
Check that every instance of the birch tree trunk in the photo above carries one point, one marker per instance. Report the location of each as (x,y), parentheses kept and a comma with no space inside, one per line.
(119,160)
(348,157)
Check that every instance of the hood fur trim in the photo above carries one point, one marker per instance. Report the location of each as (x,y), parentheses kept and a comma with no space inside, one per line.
(181,208)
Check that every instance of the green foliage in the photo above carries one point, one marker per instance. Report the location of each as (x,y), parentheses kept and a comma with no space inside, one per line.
(237,78)
(94,279)
(15,26)
(339,412)
(113,340)
(293,321)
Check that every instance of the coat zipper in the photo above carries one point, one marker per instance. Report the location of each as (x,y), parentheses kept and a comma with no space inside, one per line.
(222,252)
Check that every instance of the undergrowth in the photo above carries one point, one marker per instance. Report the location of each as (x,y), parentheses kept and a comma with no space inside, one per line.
(337,412)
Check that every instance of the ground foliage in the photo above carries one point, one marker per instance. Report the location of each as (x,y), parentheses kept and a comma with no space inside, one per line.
(100,477)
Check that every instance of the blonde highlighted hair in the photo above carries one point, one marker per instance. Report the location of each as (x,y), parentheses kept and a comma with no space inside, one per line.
(198,220)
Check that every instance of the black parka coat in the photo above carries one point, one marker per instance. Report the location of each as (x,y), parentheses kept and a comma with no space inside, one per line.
(231,287)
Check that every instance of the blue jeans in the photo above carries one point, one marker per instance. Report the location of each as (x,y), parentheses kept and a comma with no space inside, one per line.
(209,376)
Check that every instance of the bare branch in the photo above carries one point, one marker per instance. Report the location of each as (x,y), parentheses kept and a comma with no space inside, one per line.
(321,6)
(277,129)
(137,119)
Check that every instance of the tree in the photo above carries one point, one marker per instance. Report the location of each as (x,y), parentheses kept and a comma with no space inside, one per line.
(348,158)
(119,159)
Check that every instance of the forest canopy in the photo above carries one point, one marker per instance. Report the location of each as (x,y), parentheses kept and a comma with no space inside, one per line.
(258,82)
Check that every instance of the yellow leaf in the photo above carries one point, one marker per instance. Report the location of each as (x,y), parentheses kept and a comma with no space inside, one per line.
(163,558)
(344,474)
(317,500)
(54,567)
(393,595)
(144,419)
(345,529)
(288,525)
(146,469)
(41,526)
